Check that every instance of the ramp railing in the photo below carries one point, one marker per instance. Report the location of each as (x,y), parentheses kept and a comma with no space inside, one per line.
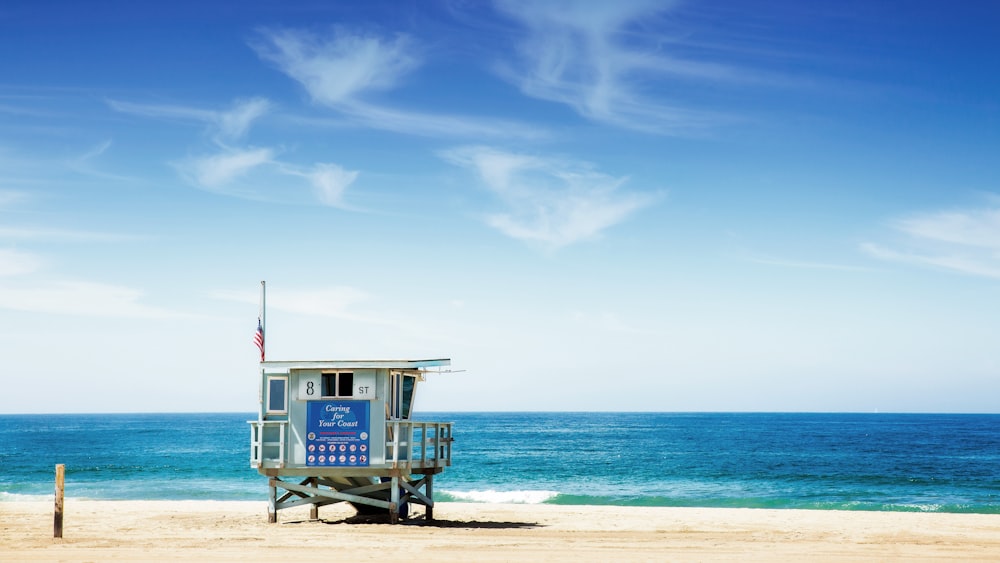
(417,444)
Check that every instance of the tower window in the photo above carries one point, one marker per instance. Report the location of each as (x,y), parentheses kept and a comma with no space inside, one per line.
(339,384)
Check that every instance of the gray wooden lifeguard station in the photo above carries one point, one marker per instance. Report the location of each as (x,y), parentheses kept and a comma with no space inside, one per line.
(340,431)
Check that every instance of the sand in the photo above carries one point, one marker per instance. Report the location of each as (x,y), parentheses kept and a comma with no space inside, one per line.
(238,531)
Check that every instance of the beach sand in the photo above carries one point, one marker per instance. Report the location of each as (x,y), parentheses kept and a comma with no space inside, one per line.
(238,531)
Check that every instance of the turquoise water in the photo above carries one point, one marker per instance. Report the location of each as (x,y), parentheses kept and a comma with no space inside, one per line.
(899,462)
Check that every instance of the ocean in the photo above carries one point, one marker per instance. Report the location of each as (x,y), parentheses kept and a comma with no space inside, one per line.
(885,462)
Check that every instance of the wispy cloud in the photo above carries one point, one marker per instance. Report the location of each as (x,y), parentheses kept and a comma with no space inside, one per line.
(323,302)
(979,228)
(23,111)
(801,264)
(15,263)
(80,299)
(589,55)
(345,303)
(218,170)
(85,163)
(256,174)
(335,70)
(342,69)
(10,197)
(550,202)
(339,302)
(236,122)
(441,125)
(245,171)
(166,111)
(972,265)
(95,152)
(330,181)
(23,289)
(60,235)
(965,241)
(224,124)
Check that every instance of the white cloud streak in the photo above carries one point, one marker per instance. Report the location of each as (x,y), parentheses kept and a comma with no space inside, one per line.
(342,69)
(976,228)
(800,264)
(11,197)
(59,235)
(963,241)
(440,125)
(15,263)
(246,172)
(334,302)
(236,122)
(257,175)
(344,303)
(330,181)
(84,163)
(81,299)
(95,152)
(218,170)
(971,265)
(549,202)
(321,302)
(336,70)
(230,124)
(576,53)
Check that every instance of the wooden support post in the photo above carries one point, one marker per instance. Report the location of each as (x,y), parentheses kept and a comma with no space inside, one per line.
(429,491)
(314,509)
(272,501)
(57,529)
(394,500)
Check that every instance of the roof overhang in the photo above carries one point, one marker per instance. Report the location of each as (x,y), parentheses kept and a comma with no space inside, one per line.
(284,366)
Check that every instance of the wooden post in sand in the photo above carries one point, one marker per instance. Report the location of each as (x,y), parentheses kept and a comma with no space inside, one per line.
(60,481)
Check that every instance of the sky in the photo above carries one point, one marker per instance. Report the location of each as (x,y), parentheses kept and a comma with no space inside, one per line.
(763,205)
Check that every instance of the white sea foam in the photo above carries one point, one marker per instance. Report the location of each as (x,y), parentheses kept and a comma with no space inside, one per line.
(15,497)
(503,497)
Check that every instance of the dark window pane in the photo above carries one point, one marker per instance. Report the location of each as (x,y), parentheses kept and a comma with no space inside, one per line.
(409,382)
(276,395)
(329,384)
(345,386)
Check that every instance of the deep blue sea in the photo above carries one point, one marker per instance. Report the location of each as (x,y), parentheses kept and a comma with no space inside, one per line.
(895,462)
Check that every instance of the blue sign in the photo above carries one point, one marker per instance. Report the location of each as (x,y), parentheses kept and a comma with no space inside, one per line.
(338,434)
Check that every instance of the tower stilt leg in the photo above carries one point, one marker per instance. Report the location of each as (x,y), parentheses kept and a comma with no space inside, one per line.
(429,491)
(394,499)
(272,501)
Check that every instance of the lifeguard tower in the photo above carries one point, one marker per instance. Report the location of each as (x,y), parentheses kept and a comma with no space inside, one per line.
(340,431)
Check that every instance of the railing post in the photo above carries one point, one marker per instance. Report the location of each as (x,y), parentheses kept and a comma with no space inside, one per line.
(395,443)
(281,444)
(424,442)
(409,447)
(437,445)
(255,446)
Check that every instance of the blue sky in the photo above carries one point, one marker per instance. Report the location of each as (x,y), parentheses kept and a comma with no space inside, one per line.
(671,206)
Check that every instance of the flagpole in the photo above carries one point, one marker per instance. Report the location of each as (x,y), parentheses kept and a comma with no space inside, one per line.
(263,314)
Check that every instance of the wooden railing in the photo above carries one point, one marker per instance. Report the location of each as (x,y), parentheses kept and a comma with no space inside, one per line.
(261,446)
(417,445)
(409,445)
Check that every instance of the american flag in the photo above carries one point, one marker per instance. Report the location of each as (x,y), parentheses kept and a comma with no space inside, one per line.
(258,339)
